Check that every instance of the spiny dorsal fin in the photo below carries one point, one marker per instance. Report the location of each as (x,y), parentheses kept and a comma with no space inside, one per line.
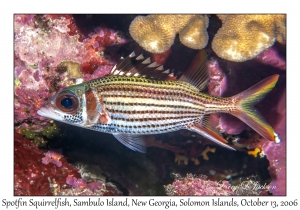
(197,72)
(134,65)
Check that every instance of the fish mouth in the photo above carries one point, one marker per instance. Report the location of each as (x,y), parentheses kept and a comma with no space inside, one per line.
(41,113)
(44,112)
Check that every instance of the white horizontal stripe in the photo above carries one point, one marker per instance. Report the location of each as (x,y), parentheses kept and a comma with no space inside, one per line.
(150,101)
(161,123)
(150,108)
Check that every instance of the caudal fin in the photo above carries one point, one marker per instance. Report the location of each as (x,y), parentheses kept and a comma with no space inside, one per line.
(246,112)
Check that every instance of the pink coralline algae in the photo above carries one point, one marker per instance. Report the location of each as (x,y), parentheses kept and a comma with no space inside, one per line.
(81,187)
(41,43)
(31,176)
(101,71)
(217,78)
(81,183)
(74,182)
(52,157)
(191,185)
(34,175)
(276,153)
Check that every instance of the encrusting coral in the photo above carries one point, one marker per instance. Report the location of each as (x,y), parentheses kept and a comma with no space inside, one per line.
(243,37)
(156,33)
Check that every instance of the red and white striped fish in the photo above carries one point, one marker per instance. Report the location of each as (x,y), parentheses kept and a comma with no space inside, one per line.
(129,103)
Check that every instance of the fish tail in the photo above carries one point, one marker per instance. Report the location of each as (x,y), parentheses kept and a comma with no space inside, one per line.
(246,111)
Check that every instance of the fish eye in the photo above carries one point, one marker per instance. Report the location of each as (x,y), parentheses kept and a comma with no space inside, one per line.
(67,102)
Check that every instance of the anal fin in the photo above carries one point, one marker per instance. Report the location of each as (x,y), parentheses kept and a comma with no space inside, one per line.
(134,142)
(210,134)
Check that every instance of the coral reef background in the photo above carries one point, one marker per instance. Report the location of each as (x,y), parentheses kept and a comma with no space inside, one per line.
(52,158)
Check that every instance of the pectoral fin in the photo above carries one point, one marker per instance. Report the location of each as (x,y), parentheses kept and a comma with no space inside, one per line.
(211,135)
(134,142)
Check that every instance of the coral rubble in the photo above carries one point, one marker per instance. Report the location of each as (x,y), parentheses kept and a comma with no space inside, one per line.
(243,37)
(156,33)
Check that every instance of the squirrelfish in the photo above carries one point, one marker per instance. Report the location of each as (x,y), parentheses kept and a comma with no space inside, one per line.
(130,103)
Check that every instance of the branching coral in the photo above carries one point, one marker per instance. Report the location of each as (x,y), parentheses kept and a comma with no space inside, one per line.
(156,33)
(243,37)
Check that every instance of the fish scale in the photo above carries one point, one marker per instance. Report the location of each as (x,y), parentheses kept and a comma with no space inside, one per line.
(162,106)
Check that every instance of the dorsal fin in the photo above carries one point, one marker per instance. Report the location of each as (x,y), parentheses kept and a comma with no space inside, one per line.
(134,65)
(197,72)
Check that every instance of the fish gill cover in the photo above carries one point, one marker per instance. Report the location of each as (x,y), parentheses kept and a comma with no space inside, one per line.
(55,51)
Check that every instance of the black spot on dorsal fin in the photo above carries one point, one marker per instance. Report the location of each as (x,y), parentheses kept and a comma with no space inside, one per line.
(134,65)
